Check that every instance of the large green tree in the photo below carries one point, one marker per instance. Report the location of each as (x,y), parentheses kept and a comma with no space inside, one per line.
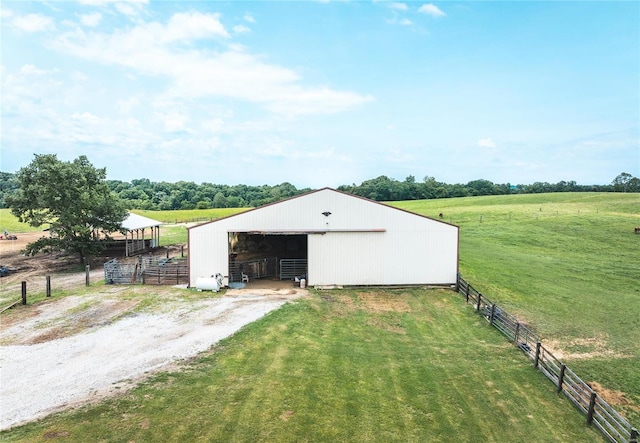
(626,182)
(74,198)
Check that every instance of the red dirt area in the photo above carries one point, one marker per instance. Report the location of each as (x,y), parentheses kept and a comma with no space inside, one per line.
(66,270)
(34,269)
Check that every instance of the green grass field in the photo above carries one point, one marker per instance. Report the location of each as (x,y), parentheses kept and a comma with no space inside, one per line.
(341,366)
(10,223)
(566,264)
(169,234)
(189,214)
(417,365)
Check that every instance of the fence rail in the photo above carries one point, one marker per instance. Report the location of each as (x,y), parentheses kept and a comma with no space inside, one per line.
(258,268)
(292,267)
(598,412)
(148,270)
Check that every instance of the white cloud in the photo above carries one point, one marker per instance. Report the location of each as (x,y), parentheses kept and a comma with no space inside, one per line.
(399,6)
(6,13)
(126,9)
(399,21)
(432,10)
(125,106)
(241,29)
(78,76)
(32,70)
(486,143)
(213,125)
(107,2)
(33,23)
(249,18)
(86,117)
(91,20)
(197,73)
(195,25)
(174,121)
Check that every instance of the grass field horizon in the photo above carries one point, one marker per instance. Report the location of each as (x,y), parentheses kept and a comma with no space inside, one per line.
(568,265)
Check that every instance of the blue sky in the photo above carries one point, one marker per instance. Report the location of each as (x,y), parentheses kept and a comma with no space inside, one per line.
(324,93)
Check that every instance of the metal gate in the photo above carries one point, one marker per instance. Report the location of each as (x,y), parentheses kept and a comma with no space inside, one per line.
(292,267)
(258,268)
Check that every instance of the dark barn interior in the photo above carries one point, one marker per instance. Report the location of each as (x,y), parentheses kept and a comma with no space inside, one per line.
(266,255)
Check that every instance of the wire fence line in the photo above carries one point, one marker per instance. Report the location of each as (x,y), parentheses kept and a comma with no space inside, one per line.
(597,411)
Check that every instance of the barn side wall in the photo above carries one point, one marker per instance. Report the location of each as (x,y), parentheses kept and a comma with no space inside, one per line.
(208,254)
(383,258)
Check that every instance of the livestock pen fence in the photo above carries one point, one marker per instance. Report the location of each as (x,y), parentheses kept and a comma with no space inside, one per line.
(598,412)
(147,270)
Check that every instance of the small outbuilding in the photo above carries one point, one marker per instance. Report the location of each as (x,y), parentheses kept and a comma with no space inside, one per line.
(135,240)
(328,238)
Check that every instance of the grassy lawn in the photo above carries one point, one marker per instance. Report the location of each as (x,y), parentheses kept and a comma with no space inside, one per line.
(568,265)
(189,214)
(405,366)
(169,234)
(10,222)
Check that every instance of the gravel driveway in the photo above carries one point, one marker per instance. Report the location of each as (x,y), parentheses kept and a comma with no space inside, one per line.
(43,370)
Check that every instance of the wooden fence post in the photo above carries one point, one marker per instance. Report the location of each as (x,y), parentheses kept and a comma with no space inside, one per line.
(86,276)
(515,336)
(466,293)
(48,286)
(633,438)
(592,406)
(182,251)
(24,292)
(561,378)
(493,314)
(537,359)
(479,300)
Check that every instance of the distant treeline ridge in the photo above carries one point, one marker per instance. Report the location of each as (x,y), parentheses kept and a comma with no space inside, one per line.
(145,194)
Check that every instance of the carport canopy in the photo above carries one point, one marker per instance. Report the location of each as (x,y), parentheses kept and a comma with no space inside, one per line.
(136,225)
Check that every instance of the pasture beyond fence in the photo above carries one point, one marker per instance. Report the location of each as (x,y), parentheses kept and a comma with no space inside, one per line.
(598,412)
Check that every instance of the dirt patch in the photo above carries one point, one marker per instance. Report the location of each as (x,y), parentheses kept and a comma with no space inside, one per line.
(65,270)
(614,398)
(55,434)
(581,349)
(286,415)
(387,325)
(379,302)
(95,312)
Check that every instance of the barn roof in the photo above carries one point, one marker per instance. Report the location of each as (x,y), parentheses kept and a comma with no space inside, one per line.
(135,221)
(244,213)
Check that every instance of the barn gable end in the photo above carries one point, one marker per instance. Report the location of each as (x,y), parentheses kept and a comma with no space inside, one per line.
(349,241)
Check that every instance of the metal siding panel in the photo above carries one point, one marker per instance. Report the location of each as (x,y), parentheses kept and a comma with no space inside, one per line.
(208,254)
(339,258)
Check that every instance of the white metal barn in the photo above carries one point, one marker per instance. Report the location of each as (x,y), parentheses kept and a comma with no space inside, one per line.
(341,239)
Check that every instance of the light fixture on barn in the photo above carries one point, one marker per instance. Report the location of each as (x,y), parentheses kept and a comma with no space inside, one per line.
(326,213)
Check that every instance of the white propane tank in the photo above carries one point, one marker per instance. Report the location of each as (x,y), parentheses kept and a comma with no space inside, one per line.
(213,283)
(303,283)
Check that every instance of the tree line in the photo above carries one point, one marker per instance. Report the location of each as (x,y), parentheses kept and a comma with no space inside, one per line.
(82,208)
(146,194)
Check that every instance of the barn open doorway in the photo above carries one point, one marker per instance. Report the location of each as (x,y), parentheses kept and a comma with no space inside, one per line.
(267,256)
